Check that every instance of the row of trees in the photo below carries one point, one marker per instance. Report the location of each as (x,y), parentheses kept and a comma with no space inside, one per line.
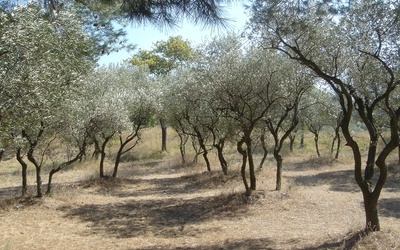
(238,91)
(300,52)
(50,90)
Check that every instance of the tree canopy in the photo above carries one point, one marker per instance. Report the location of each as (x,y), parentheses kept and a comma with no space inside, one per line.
(159,13)
(165,55)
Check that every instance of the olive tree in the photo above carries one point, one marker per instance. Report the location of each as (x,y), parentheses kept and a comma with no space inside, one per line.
(139,95)
(186,102)
(244,85)
(72,142)
(162,59)
(316,114)
(41,67)
(353,46)
(117,101)
(284,115)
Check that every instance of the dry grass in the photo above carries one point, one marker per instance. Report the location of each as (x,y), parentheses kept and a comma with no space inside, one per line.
(162,204)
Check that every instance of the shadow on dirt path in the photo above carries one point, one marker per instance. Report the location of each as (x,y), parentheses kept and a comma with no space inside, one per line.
(390,207)
(339,180)
(163,217)
(167,184)
(246,244)
(269,244)
(157,207)
(343,181)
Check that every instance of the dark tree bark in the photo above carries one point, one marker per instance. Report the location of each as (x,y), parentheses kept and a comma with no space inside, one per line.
(292,137)
(279,160)
(182,146)
(196,148)
(38,181)
(183,138)
(2,150)
(33,141)
(106,139)
(275,131)
(276,128)
(336,138)
(203,147)
(97,148)
(315,130)
(59,168)
(370,194)
(248,156)
(219,144)
(339,141)
(205,153)
(244,152)
(23,172)
(248,142)
(220,148)
(123,142)
(316,139)
(398,153)
(264,148)
(163,125)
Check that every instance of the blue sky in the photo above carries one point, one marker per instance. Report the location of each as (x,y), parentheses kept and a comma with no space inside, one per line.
(145,36)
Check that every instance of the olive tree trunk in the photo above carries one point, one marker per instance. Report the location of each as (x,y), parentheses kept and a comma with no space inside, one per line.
(264,148)
(106,139)
(23,172)
(123,142)
(243,152)
(163,125)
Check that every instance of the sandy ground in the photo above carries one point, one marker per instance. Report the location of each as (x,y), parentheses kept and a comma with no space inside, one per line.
(158,206)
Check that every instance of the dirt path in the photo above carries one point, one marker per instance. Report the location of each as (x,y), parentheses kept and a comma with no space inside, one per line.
(157,207)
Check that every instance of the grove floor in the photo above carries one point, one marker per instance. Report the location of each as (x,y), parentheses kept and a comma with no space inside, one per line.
(157,205)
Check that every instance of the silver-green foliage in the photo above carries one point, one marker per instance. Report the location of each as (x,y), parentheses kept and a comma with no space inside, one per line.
(43,61)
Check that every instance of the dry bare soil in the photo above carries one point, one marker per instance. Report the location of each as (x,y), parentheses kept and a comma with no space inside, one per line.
(159,205)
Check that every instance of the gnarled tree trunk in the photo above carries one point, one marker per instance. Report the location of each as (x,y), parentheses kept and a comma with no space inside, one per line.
(220,147)
(23,172)
(103,153)
(243,152)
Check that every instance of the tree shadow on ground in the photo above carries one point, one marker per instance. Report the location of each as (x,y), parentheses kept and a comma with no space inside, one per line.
(347,243)
(313,163)
(245,244)
(8,192)
(389,207)
(267,243)
(140,168)
(339,180)
(165,185)
(343,180)
(159,217)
